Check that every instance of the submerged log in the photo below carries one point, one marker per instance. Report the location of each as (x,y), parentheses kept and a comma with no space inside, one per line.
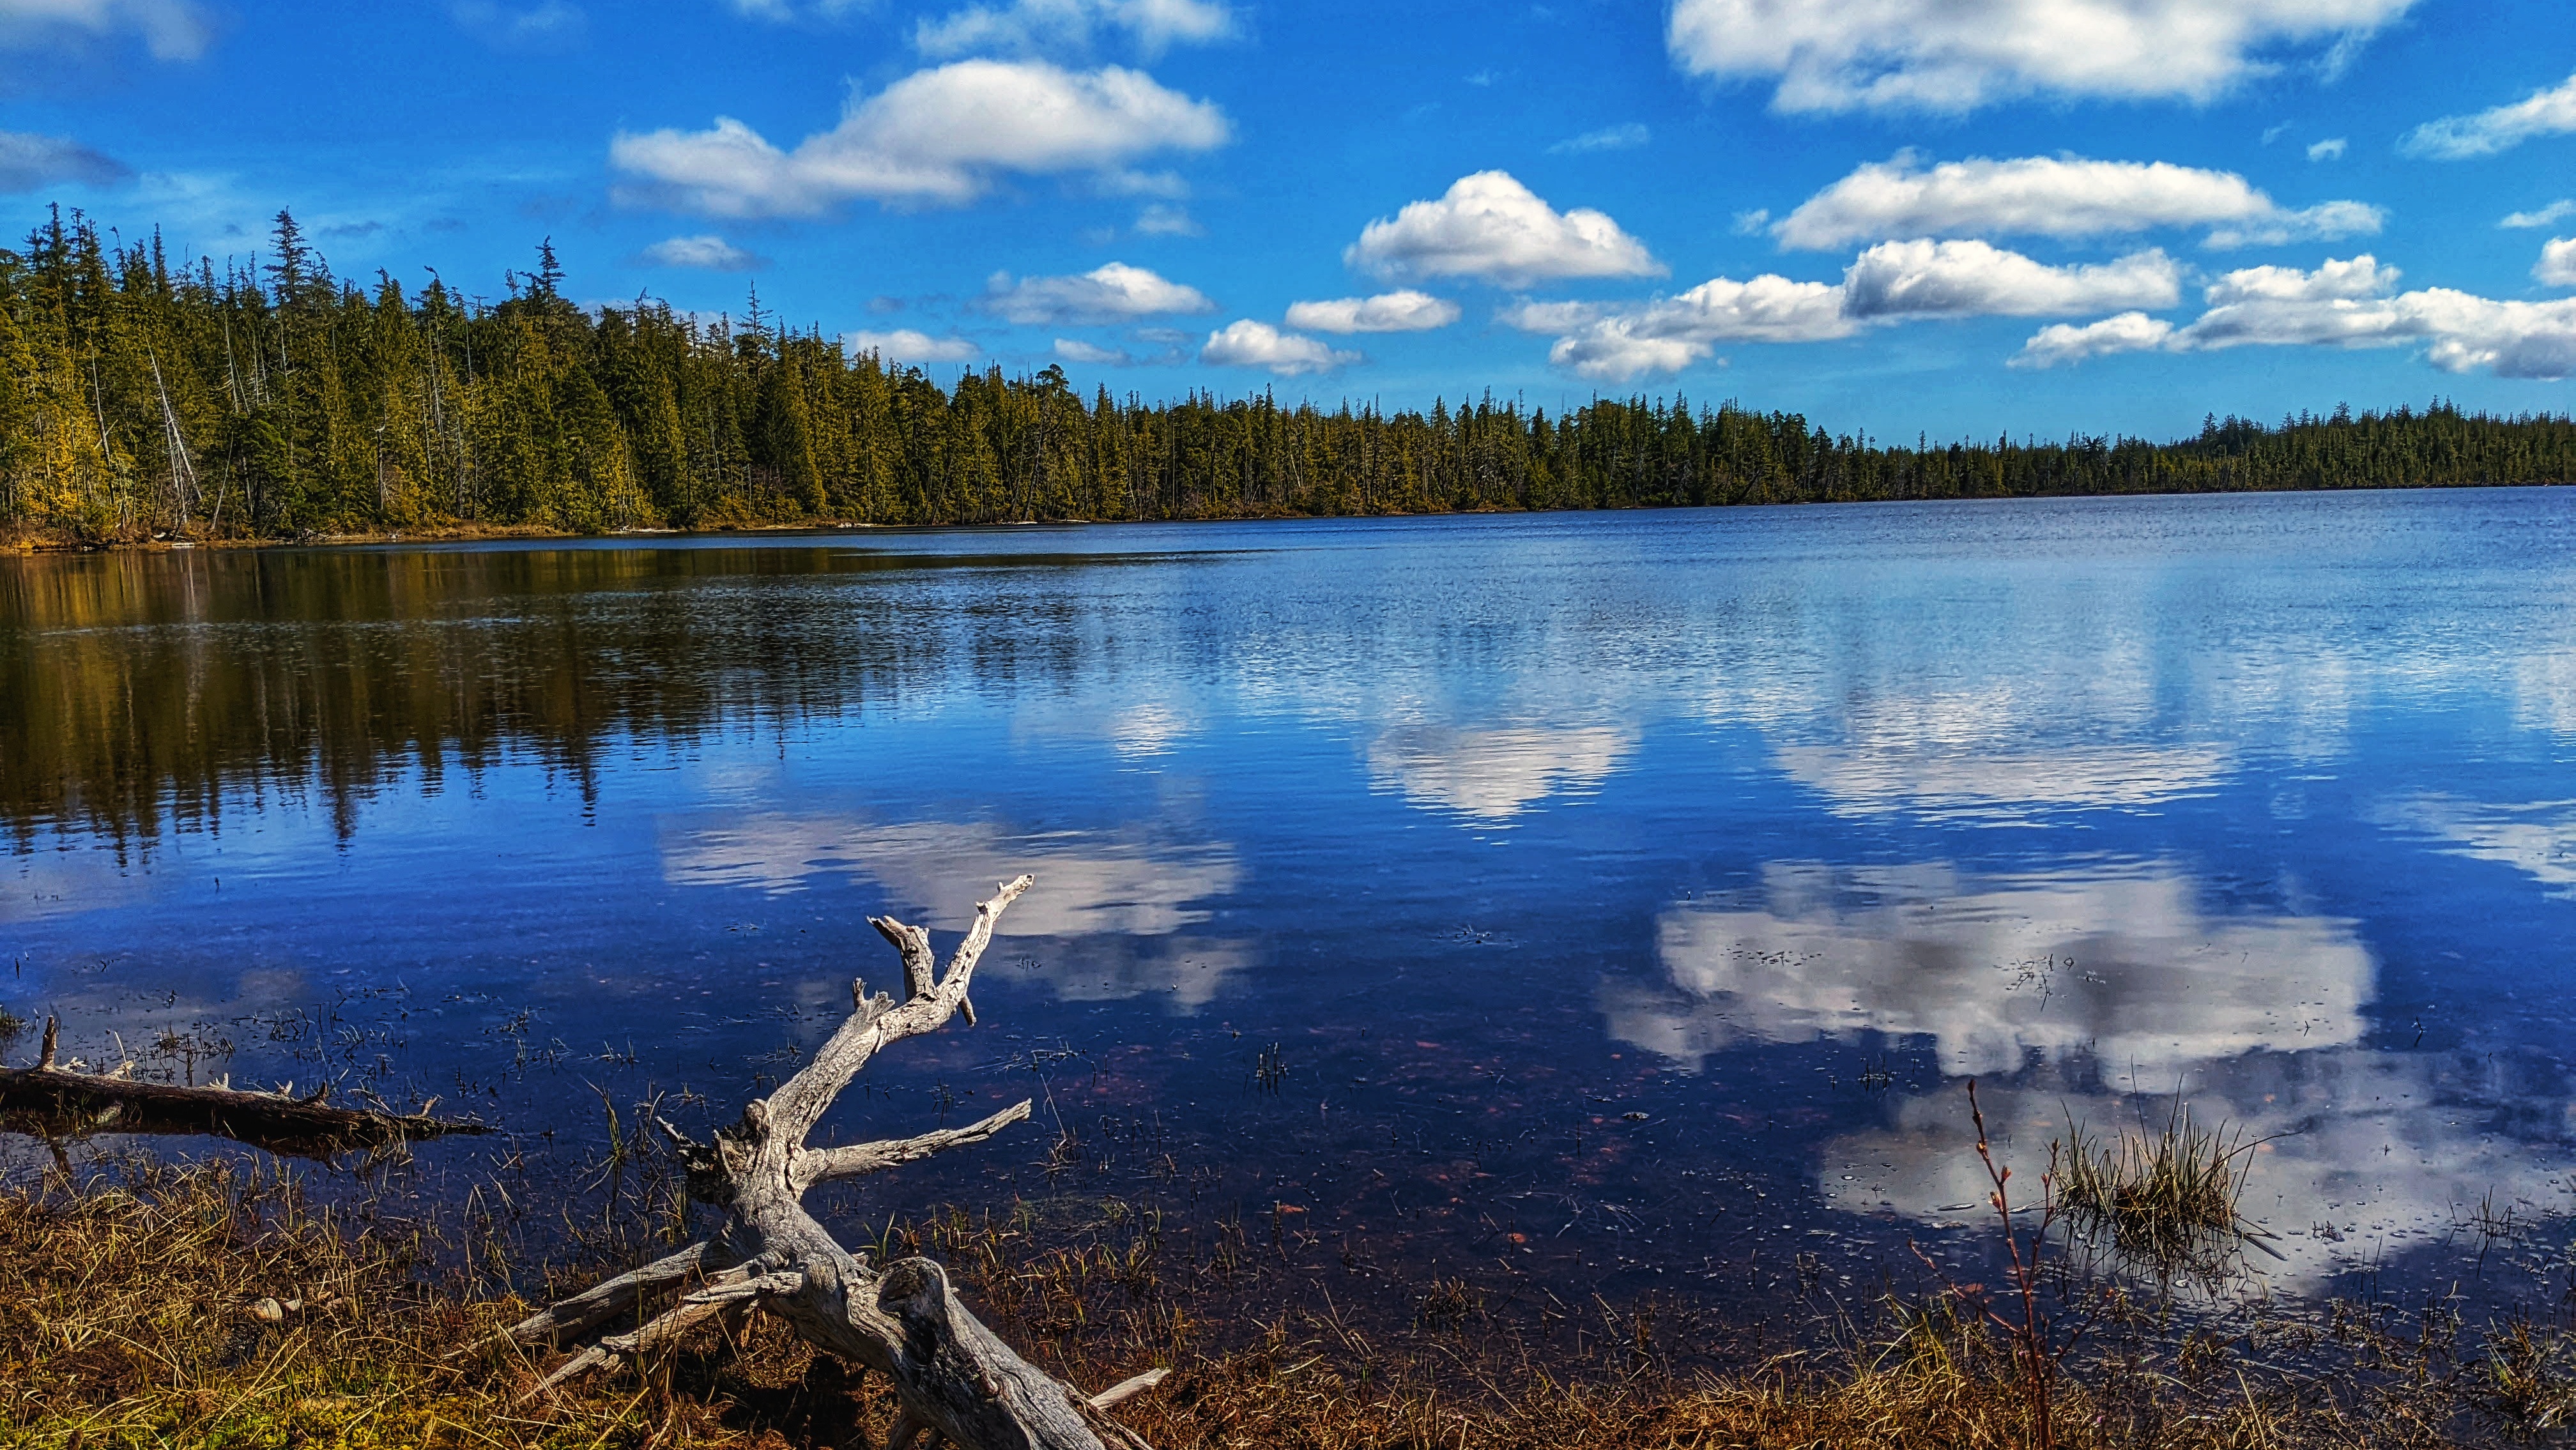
(58,1103)
(954,1377)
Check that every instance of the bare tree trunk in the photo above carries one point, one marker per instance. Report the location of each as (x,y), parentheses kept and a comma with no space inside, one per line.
(954,1377)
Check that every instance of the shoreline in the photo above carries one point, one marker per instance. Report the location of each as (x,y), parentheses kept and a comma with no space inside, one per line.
(216,1303)
(31,542)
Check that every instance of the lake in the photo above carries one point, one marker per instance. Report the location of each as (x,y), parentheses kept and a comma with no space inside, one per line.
(1621,901)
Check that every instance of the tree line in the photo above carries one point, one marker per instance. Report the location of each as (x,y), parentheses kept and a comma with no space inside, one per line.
(275,399)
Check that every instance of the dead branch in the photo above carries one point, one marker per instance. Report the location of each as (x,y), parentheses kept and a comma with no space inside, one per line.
(57,1103)
(954,1378)
(826,1164)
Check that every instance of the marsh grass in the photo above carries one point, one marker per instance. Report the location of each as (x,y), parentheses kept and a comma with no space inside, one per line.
(2162,1199)
(221,1305)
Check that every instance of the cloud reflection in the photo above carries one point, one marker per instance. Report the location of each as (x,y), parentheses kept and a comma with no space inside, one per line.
(2124,965)
(1491,775)
(2367,1156)
(2537,838)
(2069,991)
(1116,910)
(1091,884)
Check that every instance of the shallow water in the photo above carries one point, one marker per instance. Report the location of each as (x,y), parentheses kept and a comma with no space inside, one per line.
(1621,900)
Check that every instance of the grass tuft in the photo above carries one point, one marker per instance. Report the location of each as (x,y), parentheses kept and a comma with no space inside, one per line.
(2165,1200)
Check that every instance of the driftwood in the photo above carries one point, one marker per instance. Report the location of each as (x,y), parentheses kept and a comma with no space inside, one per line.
(954,1378)
(57,1102)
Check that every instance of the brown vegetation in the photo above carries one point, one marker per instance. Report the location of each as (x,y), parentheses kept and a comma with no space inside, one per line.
(218,1305)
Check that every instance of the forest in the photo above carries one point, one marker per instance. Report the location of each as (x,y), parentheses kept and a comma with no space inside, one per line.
(141,399)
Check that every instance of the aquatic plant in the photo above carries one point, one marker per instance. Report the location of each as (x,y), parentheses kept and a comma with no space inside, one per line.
(2163,1199)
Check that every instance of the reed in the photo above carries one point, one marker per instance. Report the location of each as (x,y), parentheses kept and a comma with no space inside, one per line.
(2163,1199)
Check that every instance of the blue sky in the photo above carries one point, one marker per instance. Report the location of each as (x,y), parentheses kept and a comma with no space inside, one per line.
(1945,216)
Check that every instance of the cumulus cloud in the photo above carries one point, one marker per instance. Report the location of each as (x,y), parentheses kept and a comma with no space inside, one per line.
(2541,217)
(1116,292)
(907,345)
(935,138)
(2550,112)
(1250,344)
(1050,27)
(2051,196)
(2352,303)
(2067,343)
(1671,333)
(1889,282)
(169,29)
(30,163)
(1490,227)
(2330,150)
(711,253)
(1954,55)
(1404,311)
(1975,279)
(2557,265)
(1608,138)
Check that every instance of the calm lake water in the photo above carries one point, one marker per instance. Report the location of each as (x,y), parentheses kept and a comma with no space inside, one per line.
(1619,900)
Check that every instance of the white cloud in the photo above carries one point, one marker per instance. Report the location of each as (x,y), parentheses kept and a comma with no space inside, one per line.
(2331,150)
(2550,112)
(169,29)
(712,253)
(1489,226)
(1671,333)
(1889,281)
(1551,316)
(2326,221)
(1953,55)
(1162,219)
(2530,220)
(1116,292)
(2351,304)
(548,26)
(30,163)
(2052,196)
(1975,279)
(1250,344)
(2354,277)
(1609,138)
(936,137)
(1174,350)
(907,345)
(1404,311)
(1049,27)
(2067,343)
(2557,265)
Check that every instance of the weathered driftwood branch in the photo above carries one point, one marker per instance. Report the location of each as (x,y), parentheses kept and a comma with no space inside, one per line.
(953,1377)
(57,1103)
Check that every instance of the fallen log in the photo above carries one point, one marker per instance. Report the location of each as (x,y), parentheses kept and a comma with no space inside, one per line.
(954,1377)
(58,1103)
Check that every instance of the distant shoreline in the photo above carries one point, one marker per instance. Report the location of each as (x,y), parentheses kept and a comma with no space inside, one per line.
(452,532)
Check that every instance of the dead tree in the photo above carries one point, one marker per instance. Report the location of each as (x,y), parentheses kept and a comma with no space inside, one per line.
(59,1103)
(953,1377)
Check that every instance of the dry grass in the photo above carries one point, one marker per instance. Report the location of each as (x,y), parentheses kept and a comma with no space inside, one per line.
(131,1314)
